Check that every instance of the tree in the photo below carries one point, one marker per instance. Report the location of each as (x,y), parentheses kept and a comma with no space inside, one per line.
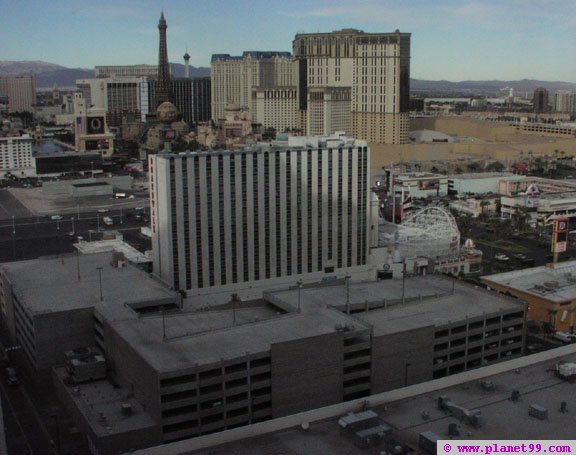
(474,166)
(495,166)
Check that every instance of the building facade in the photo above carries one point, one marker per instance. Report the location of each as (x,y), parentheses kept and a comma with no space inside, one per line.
(565,101)
(16,157)
(375,67)
(234,78)
(277,108)
(20,91)
(225,218)
(126,70)
(191,98)
(541,101)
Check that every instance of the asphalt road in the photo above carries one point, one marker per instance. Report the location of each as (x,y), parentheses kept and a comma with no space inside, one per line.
(31,237)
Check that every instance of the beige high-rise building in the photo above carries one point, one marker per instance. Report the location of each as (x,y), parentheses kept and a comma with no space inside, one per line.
(20,90)
(277,108)
(374,67)
(234,79)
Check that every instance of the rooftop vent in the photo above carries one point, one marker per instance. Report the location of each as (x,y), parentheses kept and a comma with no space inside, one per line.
(551,285)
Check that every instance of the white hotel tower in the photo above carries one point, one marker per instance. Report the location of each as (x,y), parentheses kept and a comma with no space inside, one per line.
(271,214)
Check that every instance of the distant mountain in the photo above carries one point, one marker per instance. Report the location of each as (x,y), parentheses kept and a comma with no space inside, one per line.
(48,74)
(494,87)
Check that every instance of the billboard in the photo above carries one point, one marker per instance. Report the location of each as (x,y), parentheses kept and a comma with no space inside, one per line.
(95,125)
(97,144)
(432,184)
(560,235)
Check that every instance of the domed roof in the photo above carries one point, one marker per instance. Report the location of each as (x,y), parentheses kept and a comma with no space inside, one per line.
(166,111)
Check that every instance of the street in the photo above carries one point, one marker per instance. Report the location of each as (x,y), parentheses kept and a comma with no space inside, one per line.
(31,237)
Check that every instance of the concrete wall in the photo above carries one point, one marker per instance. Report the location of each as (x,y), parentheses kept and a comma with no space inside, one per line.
(189,446)
(61,331)
(391,354)
(111,444)
(307,373)
(132,372)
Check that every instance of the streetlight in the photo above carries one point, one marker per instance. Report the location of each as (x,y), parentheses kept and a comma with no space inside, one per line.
(13,226)
(100,281)
(348,294)
(73,226)
(121,220)
(299,283)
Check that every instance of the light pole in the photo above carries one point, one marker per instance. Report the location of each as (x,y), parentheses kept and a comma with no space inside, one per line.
(100,281)
(57,225)
(121,219)
(98,218)
(299,283)
(348,294)
(73,226)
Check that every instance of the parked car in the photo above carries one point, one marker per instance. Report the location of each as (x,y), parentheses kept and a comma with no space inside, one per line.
(565,337)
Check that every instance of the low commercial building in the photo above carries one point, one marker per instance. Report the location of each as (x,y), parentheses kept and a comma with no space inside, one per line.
(480,183)
(549,290)
(544,206)
(421,184)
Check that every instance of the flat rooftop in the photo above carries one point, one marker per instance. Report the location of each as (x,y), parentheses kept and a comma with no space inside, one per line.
(501,418)
(103,246)
(205,337)
(51,284)
(486,175)
(101,404)
(557,284)
(428,301)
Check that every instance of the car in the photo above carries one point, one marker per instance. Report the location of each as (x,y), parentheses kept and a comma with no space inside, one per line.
(501,257)
(11,376)
(103,210)
(71,234)
(535,347)
(565,337)
(55,217)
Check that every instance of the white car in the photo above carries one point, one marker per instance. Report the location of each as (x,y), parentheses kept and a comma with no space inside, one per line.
(565,337)
(501,257)
(55,217)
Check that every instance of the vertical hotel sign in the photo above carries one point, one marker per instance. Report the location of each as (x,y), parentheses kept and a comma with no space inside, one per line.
(152,193)
(560,235)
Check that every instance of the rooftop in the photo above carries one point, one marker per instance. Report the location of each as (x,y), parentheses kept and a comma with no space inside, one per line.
(102,246)
(486,175)
(556,284)
(101,404)
(429,301)
(51,284)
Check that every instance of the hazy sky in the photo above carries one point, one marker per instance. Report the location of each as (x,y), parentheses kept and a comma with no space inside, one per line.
(451,39)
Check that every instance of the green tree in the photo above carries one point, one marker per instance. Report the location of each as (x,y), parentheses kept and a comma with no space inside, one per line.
(474,166)
(495,166)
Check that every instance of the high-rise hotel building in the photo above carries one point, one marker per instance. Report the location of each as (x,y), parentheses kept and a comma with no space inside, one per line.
(235,78)
(356,80)
(228,218)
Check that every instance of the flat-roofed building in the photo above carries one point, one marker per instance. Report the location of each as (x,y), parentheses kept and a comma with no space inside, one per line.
(268,213)
(549,290)
(47,305)
(205,367)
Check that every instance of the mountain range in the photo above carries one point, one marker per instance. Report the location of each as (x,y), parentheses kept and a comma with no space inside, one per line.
(48,74)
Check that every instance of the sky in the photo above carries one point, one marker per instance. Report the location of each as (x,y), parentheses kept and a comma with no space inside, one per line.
(451,39)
